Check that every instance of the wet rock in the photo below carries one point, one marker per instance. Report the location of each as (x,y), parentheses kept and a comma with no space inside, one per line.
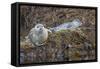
(22,58)
(29,56)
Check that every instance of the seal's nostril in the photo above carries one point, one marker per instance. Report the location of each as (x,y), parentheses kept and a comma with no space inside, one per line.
(40,28)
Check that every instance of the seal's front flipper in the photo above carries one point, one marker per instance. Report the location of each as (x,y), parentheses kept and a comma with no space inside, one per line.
(49,30)
(38,44)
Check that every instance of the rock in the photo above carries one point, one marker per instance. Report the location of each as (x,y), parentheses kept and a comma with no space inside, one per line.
(22,58)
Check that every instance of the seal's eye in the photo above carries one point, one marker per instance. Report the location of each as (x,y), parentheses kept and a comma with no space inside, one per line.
(37,26)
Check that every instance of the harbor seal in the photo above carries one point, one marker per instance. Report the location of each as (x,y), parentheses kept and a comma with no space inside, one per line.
(38,35)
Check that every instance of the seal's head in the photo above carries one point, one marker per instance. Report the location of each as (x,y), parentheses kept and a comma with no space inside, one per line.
(39,27)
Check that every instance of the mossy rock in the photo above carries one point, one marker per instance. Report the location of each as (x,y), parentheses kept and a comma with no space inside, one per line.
(65,36)
(56,48)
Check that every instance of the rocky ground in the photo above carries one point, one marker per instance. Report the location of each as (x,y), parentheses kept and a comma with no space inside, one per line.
(65,45)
